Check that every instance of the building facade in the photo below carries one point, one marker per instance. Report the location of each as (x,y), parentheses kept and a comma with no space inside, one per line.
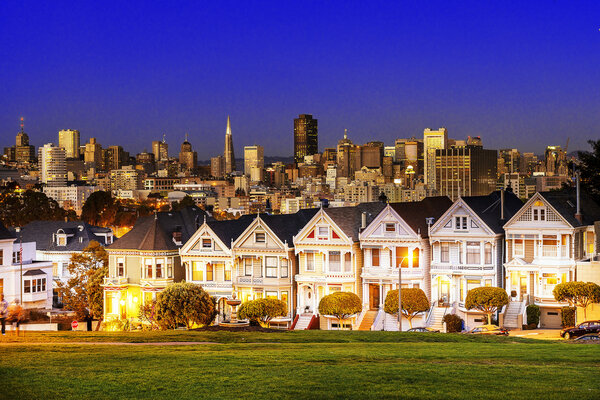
(306,137)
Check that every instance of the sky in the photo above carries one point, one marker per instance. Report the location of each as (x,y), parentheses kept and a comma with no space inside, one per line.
(520,74)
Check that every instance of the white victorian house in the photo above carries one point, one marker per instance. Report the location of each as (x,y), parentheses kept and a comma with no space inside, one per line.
(397,237)
(545,240)
(467,242)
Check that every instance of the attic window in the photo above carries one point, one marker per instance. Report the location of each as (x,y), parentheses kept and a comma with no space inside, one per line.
(390,227)
(539,214)
(260,237)
(62,240)
(323,231)
(460,223)
(177,236)
(206,243)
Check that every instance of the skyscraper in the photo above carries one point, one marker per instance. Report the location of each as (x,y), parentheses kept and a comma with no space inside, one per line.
(24,152)
(306,139)
(93,154)
(432,140)
(254,162)
(160,150)
(53,165)
(228,154)
(187,157)
(69,140)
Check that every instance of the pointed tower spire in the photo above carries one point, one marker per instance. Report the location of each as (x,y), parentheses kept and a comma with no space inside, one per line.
(228,131)
(22,125)
(345,133)
(229,155)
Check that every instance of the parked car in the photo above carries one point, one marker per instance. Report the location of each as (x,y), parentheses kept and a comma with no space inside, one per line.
(488,330)
(581,329)
(590,337)
(423,329)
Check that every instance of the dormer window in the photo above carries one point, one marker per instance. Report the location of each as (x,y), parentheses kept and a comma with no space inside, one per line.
(260,237)
(460,223)
(177,237)
(390,227)
(61,240)
(109,239)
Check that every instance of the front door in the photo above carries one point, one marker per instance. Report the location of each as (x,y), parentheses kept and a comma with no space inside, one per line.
(444,293)
(373,296)
(308,300)
(522,288)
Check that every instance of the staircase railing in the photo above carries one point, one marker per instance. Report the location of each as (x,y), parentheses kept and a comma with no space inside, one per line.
(430,313)
(360,318)
(379,321)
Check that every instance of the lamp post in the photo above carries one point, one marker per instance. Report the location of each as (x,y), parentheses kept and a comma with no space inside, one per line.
(400,294)
(18,230)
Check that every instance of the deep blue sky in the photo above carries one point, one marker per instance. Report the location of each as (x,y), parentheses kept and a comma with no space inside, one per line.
(521,75)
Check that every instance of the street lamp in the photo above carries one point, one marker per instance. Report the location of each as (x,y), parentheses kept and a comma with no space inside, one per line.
(18,230)
(399,293)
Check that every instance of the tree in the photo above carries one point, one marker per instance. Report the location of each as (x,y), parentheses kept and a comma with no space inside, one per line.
(184,303)
(486,299)
(414,302)
(577,294)
(100,209)
(187,201)
(340,305)
(20,209)
(589,166)
(83,292)
(262,310)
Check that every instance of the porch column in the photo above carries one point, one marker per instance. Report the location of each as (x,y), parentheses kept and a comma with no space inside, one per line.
(315,294)
(380,294)
(365,292)
(298,306)
(410,256)
(508,283)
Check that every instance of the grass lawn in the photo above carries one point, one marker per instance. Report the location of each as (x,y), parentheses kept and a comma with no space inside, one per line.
(306,364)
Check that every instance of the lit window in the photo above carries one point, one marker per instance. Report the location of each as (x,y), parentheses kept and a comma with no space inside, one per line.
(402,257)
(416,258)
(197,274)
(209,272)
(159,268)
(149,269)
(271,295)
(227,273)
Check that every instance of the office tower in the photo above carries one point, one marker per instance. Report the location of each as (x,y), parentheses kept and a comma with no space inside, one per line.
(509,161)
(126,178)
(528,163)
(254,157)
(306,138)
(229,155)
(53,165)
(69,140)
(555,161)
(217,166)
(390,151)
(116,157)
(145,162)
(432,141)
(346,157)
(187,157)
(160,150)
(465,171)
(24,152)
(371,155)
(93,154)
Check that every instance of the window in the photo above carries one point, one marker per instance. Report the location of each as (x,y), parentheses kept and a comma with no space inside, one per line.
(519,248)
(169,268)
(416,258)
(247,266)
(390,227)
(445,252)
(62,240)
(284,268)
(27,286)
(16,257)
(120,267)
(473,253)
(334,261)
(197,274)
(227,272)
(206,243)
(270,295)
(1,257)
(310,261)
(375,257)
(462,290)
(539,214)
(271,266)
(348,262)
(488,253)
(402,256)
(260,237)
(460,223)
(284,297)
(488,282)
(109,239)
(323,231)
(472,284)
(159,268)
(209,272)
(149,269)
(34,285)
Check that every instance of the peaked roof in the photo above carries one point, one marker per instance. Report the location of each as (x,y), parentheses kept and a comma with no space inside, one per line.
(415,213)
(5,233)
(229,230)
(564,202)
(488,208)
(155,232)
(42,232)
(285,226)
(349,219)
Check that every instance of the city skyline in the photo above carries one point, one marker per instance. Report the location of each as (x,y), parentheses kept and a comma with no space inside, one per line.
(508,75)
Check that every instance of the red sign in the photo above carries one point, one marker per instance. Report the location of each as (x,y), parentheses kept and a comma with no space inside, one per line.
(74,324)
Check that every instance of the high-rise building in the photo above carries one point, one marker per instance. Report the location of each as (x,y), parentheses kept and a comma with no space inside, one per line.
(69,140)
(555,161)
(116,157)
(22,152)
(465,171)
(346,157)
(306,137)
(432,141)
(53,165)
(217,166)
(93,154)
(228,154)
(160,150)
(145,162)
(254,157)
(371,155)
(187,157)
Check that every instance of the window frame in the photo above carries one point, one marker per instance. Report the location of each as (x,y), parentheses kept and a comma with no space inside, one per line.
(271,270)
(283,265)
(334,254)
(263,236)
(310,256)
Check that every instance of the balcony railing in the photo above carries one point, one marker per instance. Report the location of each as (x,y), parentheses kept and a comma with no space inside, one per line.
(116,281)
(451,267)
(382,271)
(549,251)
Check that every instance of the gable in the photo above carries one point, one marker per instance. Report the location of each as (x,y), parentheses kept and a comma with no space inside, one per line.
(321,230)
(460,219)
(198,243)
(388,225)
(258,236)
(537,212)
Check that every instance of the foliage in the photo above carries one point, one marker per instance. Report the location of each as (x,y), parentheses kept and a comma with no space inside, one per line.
(486,299)
(83,292)
(414,302)
(19,210)
(533,315)
(577,294)
(184,303)
(100,209)
(341,305)
(589,166)
(454,323)
(148,315)
(187,201)
(567,316)
(262,310)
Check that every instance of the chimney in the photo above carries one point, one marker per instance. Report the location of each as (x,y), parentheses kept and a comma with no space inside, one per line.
(578,214)
(363,220)
(502,205)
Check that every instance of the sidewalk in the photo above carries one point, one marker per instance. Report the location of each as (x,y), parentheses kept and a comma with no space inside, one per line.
(547,334)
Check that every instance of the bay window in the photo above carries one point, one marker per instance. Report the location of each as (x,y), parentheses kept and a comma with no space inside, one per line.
(271,266)
(159,268)
(488,253)
(310,261)
(348,262)
(473,253)
(197,274)
(375,257)
(334,261)
(284,268)
(445,252)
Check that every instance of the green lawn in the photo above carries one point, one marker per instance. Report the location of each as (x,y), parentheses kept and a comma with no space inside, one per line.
(299,365)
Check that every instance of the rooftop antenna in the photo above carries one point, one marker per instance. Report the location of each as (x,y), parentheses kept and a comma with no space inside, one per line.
(164,138)
(345,133)
(186,137)
(22,124)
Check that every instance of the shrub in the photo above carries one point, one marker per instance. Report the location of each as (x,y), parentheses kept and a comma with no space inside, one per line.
(567,316)
(414,302)
(486,299)
(184,303)
(262,310)
(340,305)
(454,323)
(533,315)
